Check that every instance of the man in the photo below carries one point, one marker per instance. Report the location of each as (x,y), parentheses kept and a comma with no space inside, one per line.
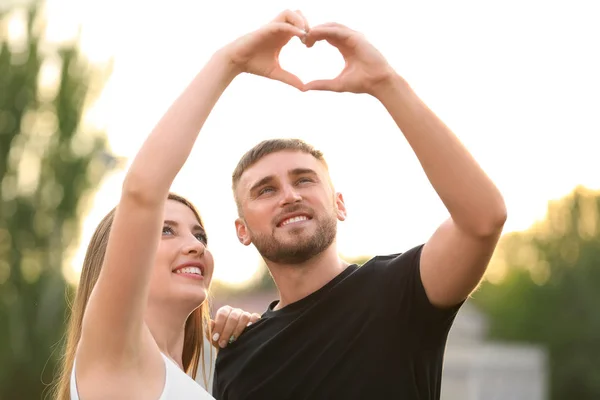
(341,331)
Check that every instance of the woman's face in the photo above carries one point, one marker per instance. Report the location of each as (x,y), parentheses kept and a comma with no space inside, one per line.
(183,266)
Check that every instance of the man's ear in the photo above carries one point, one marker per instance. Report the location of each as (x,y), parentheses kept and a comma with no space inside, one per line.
(340,207)
(242,232)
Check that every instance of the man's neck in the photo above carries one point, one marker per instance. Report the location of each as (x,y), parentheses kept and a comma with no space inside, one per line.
(297,281)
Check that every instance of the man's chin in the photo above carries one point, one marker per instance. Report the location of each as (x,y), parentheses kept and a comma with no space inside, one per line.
(294,240)
(295,231)
(290,256)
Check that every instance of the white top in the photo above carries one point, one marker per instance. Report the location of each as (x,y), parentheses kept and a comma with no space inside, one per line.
(178,384)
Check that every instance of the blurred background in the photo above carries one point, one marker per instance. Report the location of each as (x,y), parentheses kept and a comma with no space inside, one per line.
(82,82)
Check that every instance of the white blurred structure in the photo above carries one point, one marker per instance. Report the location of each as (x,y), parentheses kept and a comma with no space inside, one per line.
(475,369)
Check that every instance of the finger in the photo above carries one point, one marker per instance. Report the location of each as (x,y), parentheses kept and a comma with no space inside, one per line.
(230,326)
(242,324)
(253,318)
(279,28)
(333,24)
(333,34)
(219,323)
(306,24)
(331,85)
(284,76)
(293,18)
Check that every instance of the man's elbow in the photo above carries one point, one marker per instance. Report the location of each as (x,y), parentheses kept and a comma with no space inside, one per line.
(492,223)
(496,222)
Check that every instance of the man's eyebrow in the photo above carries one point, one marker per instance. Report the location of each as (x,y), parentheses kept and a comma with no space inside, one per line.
(261,182)
(302,171)
(293,172)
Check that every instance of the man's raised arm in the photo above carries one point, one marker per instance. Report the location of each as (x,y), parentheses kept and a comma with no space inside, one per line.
(455,258)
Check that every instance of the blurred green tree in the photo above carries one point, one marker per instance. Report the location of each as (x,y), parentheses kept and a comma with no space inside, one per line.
(49,165)
(543,287)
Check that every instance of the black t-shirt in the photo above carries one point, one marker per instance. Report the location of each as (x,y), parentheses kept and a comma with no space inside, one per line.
(370,333)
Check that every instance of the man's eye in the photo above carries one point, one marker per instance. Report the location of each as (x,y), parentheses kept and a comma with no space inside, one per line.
(266,190)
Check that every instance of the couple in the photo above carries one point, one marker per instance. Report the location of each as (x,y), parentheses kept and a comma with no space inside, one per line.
(338,331)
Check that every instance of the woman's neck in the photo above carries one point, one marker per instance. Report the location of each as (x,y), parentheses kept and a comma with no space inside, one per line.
(167,327)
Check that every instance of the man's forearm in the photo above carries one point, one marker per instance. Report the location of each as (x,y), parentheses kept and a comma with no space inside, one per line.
(474,202)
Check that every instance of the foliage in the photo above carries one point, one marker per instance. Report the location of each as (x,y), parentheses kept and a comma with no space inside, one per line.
(49,166)
(546,292)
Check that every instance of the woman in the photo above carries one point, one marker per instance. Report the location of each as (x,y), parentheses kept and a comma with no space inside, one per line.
(140,312)
(231,322)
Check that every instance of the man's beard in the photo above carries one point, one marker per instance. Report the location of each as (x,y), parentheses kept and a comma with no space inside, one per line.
(297,251)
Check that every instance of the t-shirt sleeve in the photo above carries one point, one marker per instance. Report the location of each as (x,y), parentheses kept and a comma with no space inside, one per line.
(404,292)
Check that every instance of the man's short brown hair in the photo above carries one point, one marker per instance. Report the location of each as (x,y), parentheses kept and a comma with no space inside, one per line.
(265,148)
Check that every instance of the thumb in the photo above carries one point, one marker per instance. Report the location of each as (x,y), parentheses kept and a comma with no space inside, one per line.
(284,76)
(332,85)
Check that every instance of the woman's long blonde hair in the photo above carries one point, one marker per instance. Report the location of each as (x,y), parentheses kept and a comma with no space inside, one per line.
(198,321)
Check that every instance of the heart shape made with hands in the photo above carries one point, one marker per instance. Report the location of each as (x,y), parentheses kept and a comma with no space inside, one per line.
(321,61)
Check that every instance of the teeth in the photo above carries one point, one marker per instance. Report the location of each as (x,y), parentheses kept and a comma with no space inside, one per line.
(189,270)
(295,219)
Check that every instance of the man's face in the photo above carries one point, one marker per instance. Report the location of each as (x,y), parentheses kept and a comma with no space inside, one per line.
(289,209)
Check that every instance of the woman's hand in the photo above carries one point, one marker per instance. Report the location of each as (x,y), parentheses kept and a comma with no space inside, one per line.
(258,52)
(229,324)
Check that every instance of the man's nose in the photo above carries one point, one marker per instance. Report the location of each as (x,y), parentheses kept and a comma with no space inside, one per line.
(290,195)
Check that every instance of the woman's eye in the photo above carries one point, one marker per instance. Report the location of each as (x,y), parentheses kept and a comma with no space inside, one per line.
(202,238)
(167,230)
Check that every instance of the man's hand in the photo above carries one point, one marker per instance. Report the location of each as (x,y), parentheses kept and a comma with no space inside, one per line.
(366,69)
(258,52)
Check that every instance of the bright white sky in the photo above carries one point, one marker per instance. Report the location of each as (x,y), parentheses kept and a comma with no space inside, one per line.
(518,82)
